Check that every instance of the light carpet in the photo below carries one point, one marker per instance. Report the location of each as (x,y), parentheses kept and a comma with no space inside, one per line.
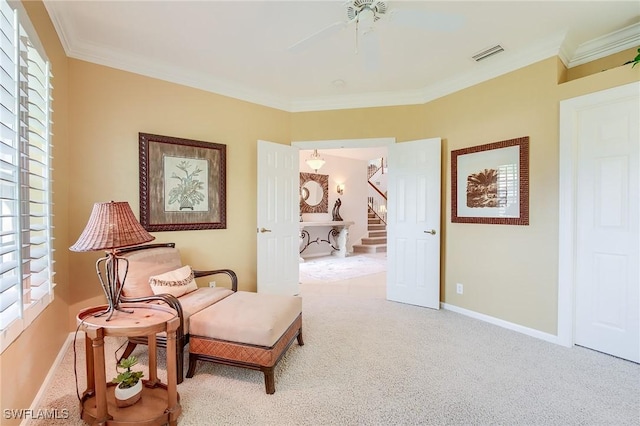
(331,268)
(373,362)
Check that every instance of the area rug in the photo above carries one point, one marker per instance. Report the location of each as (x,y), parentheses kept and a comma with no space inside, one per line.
(333,268)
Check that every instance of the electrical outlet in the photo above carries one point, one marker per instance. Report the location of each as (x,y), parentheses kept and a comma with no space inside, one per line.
(459,288)
(212,283)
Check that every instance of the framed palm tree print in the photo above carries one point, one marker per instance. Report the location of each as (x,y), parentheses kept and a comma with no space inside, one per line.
(490,183)
(182,184)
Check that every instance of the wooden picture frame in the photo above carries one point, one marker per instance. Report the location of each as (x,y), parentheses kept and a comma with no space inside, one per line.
(182,184)
(314,186)
(490,183)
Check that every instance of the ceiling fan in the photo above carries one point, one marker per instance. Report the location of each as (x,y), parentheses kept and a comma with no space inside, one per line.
(364,14)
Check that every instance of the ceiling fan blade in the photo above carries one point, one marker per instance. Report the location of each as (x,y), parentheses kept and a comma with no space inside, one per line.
(370,50)
(317,36)
(421,19)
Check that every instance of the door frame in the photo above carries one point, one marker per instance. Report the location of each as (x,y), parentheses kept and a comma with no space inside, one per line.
(568,162)
(344,143)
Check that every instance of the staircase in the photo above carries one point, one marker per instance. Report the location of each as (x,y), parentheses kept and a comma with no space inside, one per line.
(376,242)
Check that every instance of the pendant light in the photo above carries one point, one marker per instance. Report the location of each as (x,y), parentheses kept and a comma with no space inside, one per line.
(315,162)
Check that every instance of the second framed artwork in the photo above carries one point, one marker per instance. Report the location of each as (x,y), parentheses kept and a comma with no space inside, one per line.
(490,183)
(182,184)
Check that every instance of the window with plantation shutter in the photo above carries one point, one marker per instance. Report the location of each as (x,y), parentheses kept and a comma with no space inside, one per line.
(26,261)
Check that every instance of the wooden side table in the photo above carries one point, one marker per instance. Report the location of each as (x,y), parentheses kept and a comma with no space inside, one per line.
(159,404)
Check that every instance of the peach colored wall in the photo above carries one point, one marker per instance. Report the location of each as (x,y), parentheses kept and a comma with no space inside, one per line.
(109,108)
(26,362)
(603,64)
(508,272)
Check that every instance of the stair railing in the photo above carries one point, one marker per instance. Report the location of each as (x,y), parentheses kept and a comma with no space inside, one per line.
(374,166)
(377,202)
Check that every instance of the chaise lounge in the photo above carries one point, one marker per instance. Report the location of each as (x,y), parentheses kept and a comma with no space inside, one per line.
(221,325)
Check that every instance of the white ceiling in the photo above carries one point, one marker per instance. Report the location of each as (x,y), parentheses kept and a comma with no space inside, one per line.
(240,48)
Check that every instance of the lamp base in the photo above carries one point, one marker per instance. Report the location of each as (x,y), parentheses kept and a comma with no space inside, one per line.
(110,310)
(111,284)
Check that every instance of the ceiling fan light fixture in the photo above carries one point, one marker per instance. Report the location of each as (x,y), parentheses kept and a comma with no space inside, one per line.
(315,161)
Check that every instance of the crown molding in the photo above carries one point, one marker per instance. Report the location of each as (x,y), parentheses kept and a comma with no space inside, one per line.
(611,43)
(57,21)
(555,45)
(175,74)
(498,65)
(363,100)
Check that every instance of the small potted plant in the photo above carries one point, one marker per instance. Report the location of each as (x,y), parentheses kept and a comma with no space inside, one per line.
(129,387)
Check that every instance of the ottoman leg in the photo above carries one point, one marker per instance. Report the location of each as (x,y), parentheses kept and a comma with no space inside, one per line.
(193,360)
(300,341)
(269,380)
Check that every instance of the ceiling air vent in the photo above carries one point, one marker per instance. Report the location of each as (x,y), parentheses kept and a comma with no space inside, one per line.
(487,52)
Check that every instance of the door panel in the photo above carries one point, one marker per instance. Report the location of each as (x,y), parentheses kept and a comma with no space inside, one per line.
(607,229)
(413,210)
(278,218)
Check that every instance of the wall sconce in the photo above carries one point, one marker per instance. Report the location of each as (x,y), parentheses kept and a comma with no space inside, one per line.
(340,188)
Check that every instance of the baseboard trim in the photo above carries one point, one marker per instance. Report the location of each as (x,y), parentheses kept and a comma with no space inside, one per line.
(502,323)
(47,380)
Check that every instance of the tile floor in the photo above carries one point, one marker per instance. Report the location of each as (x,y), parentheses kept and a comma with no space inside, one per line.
(369,285)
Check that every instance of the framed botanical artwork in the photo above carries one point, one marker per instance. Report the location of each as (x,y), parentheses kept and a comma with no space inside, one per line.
(490,183)
(182,184)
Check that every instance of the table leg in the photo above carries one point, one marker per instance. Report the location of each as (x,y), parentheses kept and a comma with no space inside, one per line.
(341,241)
(172,378)
(153,360)
(102,414)
(88,353)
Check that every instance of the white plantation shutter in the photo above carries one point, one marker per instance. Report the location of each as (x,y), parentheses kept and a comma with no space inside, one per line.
(26,262)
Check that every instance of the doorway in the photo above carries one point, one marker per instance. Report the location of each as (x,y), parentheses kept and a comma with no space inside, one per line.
(342,169)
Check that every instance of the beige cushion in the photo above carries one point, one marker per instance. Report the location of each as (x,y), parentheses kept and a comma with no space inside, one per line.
(145,263)
(244,317)
(177,282)
(197,300)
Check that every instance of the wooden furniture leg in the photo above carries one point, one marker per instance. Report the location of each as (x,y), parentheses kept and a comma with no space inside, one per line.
(173,409)
(102,414)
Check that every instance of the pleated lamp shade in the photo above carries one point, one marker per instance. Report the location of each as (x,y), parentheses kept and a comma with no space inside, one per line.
(111,225)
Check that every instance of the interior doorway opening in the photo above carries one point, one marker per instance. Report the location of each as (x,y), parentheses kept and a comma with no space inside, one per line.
(366,247)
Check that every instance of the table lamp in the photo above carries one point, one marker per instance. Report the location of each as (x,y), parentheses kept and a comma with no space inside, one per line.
(111,226)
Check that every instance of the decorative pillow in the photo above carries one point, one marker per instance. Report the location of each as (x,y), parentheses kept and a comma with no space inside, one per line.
(177,282)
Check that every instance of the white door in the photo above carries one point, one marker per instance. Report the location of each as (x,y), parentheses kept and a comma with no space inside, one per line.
(607,228)
(278,218)
(413,223)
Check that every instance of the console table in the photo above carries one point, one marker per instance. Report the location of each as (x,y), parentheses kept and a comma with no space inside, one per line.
(338,233)
(159,403)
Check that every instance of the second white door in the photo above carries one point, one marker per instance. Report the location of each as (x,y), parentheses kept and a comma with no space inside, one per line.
(413,223)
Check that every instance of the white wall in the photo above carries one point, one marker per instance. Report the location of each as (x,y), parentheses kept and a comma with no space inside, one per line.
(353,174)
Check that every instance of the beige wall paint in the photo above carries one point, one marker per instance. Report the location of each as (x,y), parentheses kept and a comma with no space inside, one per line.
(402,122)
(508,272)
(109,109)
(603,64)
(26,362)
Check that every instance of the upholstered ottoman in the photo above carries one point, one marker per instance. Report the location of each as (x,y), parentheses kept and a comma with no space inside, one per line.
(250,330)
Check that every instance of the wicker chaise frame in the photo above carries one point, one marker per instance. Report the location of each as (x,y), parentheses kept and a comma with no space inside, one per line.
(182,338)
